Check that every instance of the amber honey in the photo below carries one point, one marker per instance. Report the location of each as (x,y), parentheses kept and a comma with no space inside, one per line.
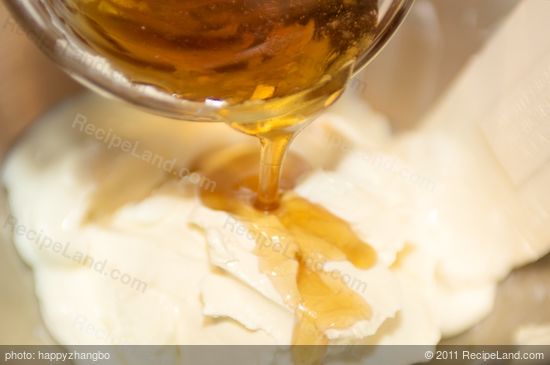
(309,234)
(274,64)
(231,50)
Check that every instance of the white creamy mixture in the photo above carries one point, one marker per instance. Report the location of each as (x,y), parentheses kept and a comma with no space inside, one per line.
(441,211)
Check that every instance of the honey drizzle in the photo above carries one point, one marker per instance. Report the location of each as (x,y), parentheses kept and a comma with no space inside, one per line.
(273,151)
(275,64)
(298,237)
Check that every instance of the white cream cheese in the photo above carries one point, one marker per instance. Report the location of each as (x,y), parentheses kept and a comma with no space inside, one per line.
(166,243)
(190,276)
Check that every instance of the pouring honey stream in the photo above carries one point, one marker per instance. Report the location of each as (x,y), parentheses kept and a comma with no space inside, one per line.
(302,237)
